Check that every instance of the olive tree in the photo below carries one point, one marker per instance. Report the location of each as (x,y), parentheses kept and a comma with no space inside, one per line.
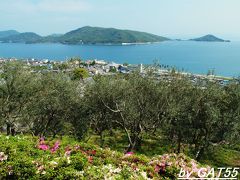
(55,106)
(15,93)
(130,103)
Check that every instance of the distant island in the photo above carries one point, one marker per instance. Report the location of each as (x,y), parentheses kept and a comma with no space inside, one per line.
(4,34)
(209,38)
(27,37)
(84,35)
(94,35)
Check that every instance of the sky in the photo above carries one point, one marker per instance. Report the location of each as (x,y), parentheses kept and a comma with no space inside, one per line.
(171,18)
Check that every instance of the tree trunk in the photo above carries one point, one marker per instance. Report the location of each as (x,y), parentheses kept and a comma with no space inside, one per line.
(111,132)
(13,132)
(130,148)
(101,139)
(138,143)
(179,144)
(199,154)
(135,145)
(8,129)
(54,134)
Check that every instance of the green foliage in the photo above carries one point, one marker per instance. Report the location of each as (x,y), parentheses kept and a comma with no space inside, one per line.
(189,116)
(80,73)
(130,103)
(125,112)
(222,156)
(113,70)
(93,63)
(24,160)
(56,107)
(43,104)
(15,88)
(62,66)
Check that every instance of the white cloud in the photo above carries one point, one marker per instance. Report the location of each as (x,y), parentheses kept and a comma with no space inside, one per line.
(41,6)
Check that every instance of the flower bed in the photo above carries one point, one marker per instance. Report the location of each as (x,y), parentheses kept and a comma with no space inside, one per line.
(26,157)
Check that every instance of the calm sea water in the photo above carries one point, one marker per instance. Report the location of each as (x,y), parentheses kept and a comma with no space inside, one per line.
(196,57)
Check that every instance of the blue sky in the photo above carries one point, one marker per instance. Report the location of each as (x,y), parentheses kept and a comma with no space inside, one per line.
(172,18)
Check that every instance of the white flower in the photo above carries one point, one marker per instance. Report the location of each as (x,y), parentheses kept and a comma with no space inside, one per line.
(109,167)
(144,175)
(53,163)
(3,157)
(79,173)
(68,160)
(118,170)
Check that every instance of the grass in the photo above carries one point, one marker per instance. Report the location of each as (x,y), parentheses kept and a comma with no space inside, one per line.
(156,145)
(222,156)
(151,145)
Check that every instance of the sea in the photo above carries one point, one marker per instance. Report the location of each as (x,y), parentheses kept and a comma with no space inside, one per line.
(194,57)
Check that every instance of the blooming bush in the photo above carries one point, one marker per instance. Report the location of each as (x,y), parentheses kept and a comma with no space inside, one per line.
(3,157)
(25,157)
(169,164)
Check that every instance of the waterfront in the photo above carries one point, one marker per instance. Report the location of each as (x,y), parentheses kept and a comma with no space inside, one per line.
(195,57)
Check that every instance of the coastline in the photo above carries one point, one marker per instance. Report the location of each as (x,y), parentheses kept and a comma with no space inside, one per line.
(163,72)
(185,55)
(101,44)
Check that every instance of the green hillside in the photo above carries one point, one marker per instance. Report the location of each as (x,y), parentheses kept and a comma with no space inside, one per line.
(87,35)
(27,37)
(209,38)
(94,35)
(27,157)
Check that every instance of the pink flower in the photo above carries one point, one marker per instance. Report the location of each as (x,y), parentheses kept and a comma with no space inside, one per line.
(77,147)
(157,168)
(129,154)
(55,147)
(43,147)
(68,151)
(92,152)
(84,152)
(42,144)
(90,159)
(41,140)
(161,169)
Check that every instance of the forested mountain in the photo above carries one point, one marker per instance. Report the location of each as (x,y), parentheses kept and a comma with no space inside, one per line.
(94,35)
(28,37)
(87,35)
(209,38)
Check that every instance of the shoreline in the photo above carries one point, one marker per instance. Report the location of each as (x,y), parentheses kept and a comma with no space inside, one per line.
(160,71)
(183,59)
(88,44)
